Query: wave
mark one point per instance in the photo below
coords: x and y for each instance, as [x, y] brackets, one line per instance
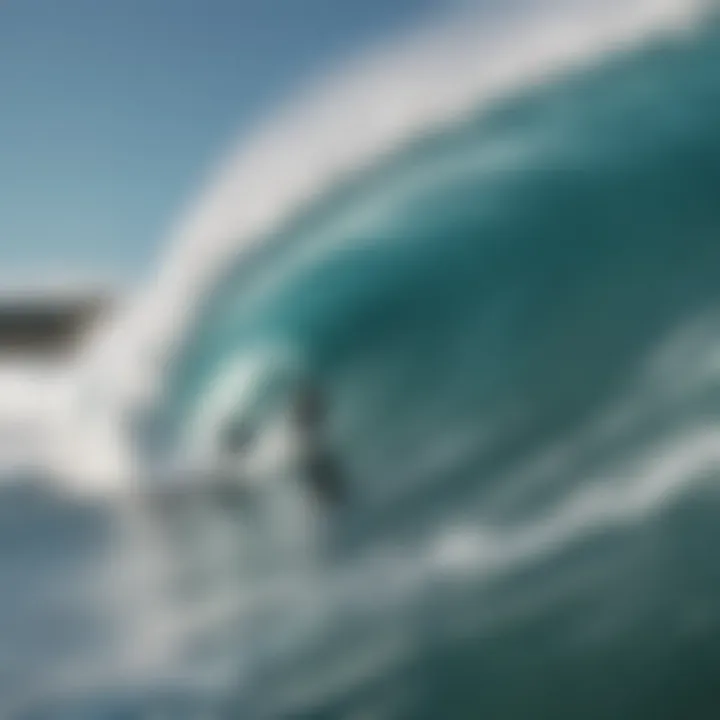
[371, 239]
[510, 303]
[414, 86]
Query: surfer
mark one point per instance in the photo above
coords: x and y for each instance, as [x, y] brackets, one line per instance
[312, 461]
[319, 467]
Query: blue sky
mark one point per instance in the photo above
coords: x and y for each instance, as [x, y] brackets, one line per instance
[112, 111]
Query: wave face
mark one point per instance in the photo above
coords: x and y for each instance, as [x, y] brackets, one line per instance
[515, 273]
[514, 320]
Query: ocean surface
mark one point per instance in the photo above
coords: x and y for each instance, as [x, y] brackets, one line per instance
[514, 320]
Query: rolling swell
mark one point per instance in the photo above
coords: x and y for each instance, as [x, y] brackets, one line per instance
[515, 320]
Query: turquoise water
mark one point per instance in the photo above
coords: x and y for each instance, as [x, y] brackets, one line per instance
[514, 320]
[515, 275]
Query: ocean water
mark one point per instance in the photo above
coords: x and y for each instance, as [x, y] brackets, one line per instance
[514, 320]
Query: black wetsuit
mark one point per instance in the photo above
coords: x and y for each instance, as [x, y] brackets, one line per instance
[322, 470]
